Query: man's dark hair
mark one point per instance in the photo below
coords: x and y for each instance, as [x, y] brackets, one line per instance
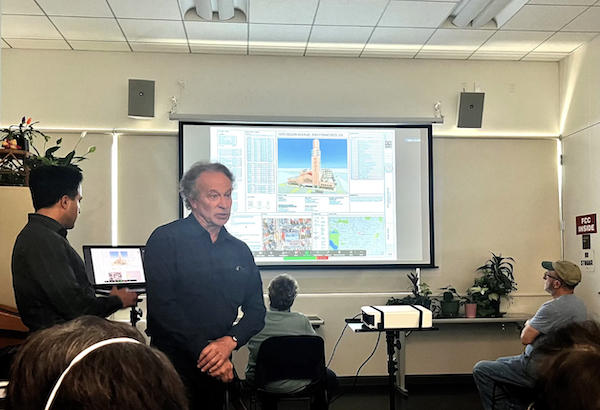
[569, 360]
[187, 185]
[282, 291]
[127, 376]
[49, 183]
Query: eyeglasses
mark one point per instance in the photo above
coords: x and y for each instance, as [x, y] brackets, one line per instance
[553, 277]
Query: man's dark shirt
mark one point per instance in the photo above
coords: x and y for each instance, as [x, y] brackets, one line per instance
[49, 277]
[195, 288]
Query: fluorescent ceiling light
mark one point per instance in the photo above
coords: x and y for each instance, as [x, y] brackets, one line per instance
[478, 13]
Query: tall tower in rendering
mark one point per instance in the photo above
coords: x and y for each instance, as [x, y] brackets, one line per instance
[316, 164]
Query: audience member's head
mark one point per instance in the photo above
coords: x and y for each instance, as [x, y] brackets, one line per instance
[570, 368]
[126, 375]
[282, 292]
[561, 274]
[49, 183]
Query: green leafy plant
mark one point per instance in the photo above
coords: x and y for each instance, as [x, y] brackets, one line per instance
[420, 295]
[451, 294]
[23, 134]
[497, 281]
[482, 297]
[49, 157]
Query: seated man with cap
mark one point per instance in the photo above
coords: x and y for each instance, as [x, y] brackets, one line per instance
[560, 280]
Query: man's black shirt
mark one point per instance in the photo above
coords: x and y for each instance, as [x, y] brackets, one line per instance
[49, 277]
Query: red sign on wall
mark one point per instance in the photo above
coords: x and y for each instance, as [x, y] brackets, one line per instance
[586, 224]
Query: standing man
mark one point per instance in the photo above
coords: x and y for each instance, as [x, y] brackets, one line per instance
[560, 279]
[198, 276]
[49, 277]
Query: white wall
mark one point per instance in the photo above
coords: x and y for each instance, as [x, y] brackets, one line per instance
[496, 194]
[580, 91]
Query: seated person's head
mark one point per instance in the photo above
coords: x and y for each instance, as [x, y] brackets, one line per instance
[57, 188]
[122, 375]
[570, 368]
[282, 292]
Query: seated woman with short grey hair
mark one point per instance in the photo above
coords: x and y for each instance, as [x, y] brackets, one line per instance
[280, 321]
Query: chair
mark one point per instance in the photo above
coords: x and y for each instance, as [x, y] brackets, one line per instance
[520, 397]
[292, 358]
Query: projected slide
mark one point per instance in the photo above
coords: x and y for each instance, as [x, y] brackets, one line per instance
[311, 194]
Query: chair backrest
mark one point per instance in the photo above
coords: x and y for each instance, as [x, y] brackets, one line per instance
[291, 358]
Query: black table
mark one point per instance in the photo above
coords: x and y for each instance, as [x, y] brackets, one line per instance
[393, 341]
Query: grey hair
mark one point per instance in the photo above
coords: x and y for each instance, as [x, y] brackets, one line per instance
[282, 291]
[187, 184]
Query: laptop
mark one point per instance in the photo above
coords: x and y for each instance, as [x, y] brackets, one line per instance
[121, 266]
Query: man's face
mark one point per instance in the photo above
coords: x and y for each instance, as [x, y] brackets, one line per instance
[551, 282]
[212, 207]
[73, 209]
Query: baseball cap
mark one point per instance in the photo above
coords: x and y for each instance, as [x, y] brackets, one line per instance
[567, 271]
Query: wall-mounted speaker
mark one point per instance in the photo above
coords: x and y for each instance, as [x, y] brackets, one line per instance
[141, 99]
[470, 110]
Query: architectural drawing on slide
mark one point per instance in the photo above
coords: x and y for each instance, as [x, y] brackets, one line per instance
[315, 177]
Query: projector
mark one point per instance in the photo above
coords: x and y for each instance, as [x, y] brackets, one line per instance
[396, 317]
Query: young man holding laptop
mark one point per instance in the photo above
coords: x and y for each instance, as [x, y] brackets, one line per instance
[49, 277]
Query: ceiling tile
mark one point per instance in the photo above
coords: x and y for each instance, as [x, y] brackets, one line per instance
[99, 45]
[564, 42]
[264, 37]
[221, 38]
[146, 9]
[444, 54]
[510, 56]
[588, 21]
[543, 17]
[159, 47]
[198, 31]
[400, 42]
[153, 31]
[400, 36]
[350, 12]
[88, 28]
[38, 44]
[457, 40]
[14, 26]
[515, 41]
[426, 14]
[338, 40]
[79, 8]
[21, 7]
[282, 11]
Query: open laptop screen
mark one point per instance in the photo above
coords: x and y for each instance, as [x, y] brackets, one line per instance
[109, 266]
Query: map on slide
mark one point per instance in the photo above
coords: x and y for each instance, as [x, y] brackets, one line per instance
[357, 233]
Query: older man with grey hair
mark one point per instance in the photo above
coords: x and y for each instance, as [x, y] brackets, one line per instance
[198, 276]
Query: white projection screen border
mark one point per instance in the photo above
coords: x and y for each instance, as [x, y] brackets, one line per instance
[319, 194]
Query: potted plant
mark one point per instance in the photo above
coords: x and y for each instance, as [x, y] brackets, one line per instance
[420, 295]
[17, 161]
[478, 303]
[450, 304]
[497, 277]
